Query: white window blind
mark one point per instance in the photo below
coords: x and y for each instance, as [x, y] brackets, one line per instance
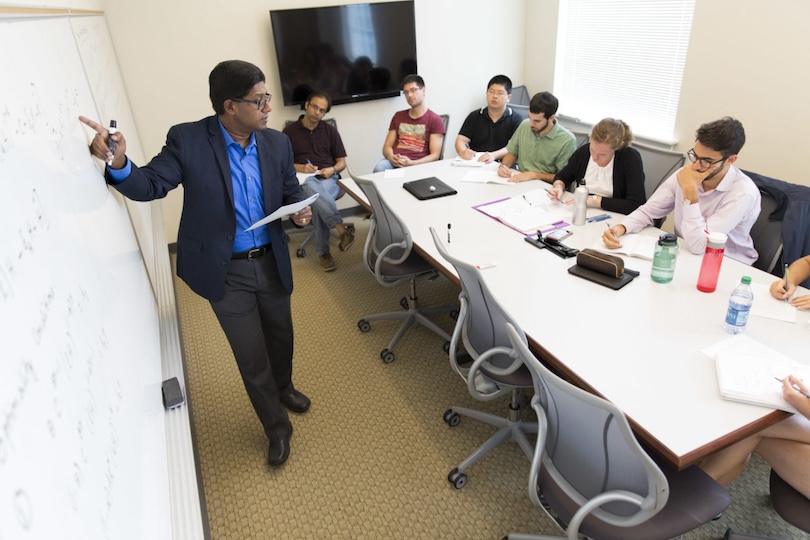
[624, 59]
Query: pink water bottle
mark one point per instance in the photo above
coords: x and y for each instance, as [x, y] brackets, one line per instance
[712, 259]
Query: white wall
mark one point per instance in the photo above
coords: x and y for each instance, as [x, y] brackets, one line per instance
[167, 49]
[747, 59]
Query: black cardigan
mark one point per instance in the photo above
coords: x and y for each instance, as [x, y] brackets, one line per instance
[628, 178]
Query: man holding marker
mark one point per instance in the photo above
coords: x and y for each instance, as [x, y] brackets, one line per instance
[234, 172]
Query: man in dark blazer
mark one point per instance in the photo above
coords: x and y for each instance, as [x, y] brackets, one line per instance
[234, 171]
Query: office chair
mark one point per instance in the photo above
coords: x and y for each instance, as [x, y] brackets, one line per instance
[389, 255]
[520, 96]
[495, 370]
[659, 164]
[446, 120]
[767, 237]
[310, 230]
[791, 505]
[593, 478]
[582, 138]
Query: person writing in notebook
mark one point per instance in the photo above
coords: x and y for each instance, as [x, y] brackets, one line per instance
[608, 167]
[541, 144]
[318, 150]
[707, 194]
[785, 446]
[785, 288]
[234, 171]
[487, 130]
[415, 135]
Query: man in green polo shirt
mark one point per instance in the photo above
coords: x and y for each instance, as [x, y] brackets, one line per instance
[542, 145]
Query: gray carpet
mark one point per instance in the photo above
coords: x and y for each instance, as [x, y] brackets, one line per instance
[371, 457]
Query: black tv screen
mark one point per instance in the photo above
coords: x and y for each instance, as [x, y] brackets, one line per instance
[354, 53]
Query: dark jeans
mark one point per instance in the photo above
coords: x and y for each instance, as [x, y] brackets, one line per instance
[255, 315]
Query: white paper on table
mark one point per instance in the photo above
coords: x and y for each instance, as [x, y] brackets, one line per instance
[484, 177]
[633, 245]
[302, 177]
[766, 305]
[394, 173]
[461, 162]
[283, 211]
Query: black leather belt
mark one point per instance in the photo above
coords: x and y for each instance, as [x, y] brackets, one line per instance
[254, 253]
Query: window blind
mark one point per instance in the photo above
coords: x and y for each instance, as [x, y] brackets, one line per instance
[623, 59]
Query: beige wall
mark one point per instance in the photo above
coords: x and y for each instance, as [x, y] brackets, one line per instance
[167, 49]
[746, 59]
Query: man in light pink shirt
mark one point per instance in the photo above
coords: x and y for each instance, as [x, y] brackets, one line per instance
[709, 194]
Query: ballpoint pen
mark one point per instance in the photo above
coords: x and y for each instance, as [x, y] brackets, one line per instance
[799, 390]
[787, 277]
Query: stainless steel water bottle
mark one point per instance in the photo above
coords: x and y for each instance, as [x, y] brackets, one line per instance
[580, 205]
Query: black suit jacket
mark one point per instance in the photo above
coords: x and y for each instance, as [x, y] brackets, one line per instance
[195, 155]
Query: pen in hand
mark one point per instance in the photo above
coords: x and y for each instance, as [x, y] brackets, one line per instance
[799, 390]
[787, 277]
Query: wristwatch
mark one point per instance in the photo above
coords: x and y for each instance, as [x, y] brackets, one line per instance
[687, 202]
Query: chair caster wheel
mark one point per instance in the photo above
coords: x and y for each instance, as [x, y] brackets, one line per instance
[446, 347]
[454, 314]
[458, 479]
[451, 418]
[387, 356]
[300, 253]
[404, 302]
[350, 228]
[363, 325]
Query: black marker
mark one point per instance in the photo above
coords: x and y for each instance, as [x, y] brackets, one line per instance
[448, 233]
[110, 141]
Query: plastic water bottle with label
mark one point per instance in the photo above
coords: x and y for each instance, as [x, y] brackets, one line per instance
[739, 307]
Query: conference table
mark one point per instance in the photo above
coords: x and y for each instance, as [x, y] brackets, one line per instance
[639, 347]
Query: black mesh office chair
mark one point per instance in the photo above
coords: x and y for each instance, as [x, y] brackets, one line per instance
[659, 164]
[389, 255]
[767, 236]
[495, 370]
[791, 506]
[593, 478]
[446, 120]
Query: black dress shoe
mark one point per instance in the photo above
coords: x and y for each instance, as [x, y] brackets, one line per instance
[295, 401]
[279, 449]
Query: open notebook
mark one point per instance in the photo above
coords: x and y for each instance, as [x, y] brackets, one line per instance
[528, 212]
[633, 245]
[747, 371]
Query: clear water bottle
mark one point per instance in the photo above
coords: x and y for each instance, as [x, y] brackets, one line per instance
[739, 306]
[666, 252]
[580, 205]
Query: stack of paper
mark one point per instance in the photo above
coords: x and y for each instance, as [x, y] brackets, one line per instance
[747, 371]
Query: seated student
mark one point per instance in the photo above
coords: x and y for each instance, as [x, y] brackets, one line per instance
[488, 129]
[318, 149]
[710, 194]
[785, 446]
[797, 273]
[541, 144]
[608, 167]
[414, 136]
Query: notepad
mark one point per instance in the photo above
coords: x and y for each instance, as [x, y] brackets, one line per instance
[484, 177]
[633, 245]
[461, 162]
[525, 213]
[746, 372]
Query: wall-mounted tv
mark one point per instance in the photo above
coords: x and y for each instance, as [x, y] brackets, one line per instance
[354, 53]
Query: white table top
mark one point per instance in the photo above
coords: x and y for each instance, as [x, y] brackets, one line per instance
[639, 347]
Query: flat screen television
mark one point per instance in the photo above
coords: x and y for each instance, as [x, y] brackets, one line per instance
[354, 53]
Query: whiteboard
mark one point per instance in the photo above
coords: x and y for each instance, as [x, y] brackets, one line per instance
[82, 435]
[107, 86]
